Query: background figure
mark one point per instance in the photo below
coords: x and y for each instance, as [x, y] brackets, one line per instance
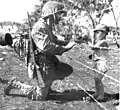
[46, 46]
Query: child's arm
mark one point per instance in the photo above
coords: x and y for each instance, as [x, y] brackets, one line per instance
[102, 43]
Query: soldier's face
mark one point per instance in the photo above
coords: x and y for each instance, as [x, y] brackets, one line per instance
[58, 17]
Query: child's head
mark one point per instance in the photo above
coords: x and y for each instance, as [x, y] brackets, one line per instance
[100, 32]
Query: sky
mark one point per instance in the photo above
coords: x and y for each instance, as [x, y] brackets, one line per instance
[16, 10]
[108, 19]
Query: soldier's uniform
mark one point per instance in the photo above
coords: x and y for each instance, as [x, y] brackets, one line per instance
[45, 42]
[99, 57]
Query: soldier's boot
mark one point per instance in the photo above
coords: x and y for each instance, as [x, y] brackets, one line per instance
[31, 92]
[10, 85]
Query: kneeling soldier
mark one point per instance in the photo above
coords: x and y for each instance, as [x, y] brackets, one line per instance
[48, 46]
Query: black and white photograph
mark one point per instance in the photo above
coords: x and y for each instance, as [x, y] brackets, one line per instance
[59, 54]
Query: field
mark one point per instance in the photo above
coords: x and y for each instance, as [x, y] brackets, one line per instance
[67, 90]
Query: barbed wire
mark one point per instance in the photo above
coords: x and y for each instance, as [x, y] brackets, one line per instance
[99, 72]
[105, 48]
[90, 76]
[98, 103]
[94, 70]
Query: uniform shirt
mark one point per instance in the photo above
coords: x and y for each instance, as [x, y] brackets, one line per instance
[44, 37]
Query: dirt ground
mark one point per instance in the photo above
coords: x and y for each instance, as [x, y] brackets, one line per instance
[67, 92]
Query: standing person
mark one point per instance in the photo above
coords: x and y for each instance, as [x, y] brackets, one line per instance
[99, 57]
[47, 45]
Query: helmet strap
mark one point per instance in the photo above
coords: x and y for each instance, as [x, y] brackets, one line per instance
[54, 21]
[54, 17]
[50, 21]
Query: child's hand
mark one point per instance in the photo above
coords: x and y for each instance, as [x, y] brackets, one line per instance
[98, 45]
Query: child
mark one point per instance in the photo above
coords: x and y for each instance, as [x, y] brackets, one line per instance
[99, 57]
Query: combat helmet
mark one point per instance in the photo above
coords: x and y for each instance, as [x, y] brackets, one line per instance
[52, 7]
[102, 27]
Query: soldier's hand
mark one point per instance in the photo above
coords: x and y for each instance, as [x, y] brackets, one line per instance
[70, 44]
[95, 47]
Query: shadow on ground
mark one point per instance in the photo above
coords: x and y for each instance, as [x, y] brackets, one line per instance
[62, 71]
[74, 95]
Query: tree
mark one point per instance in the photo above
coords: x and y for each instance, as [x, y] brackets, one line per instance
[94, 9]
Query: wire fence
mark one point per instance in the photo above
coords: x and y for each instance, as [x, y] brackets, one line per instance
[94, 70]
[85, 82]
[105, 48]
[98, 103]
